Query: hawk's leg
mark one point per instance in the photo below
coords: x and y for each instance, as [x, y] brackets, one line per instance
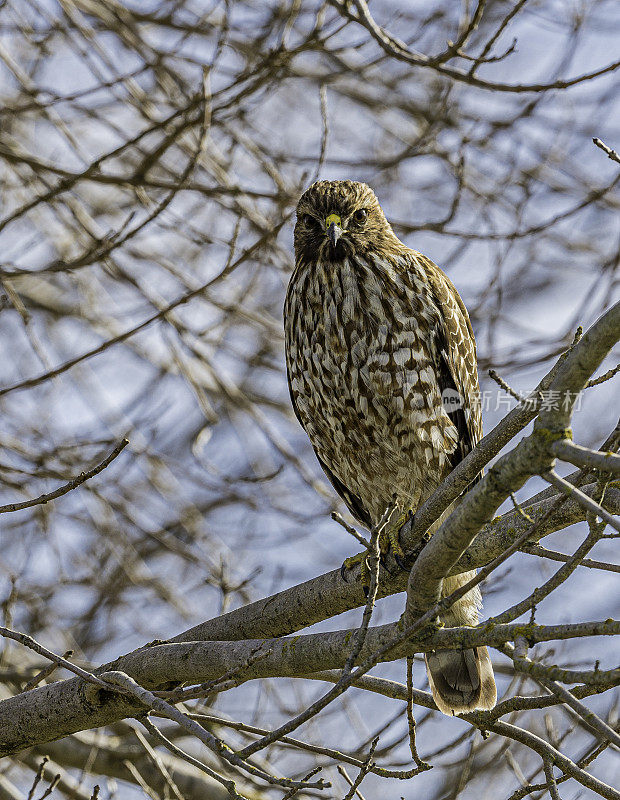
[392, 534]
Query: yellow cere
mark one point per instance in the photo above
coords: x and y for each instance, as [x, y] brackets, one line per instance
[333, 218]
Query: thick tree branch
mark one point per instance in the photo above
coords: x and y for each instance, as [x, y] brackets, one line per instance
[75, 705]
[72, 705]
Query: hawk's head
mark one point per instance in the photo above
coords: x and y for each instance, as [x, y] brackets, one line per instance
[336, 219]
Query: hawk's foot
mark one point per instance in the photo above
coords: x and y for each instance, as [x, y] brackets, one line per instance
[388, 543]
[360, 559]
[389, 540]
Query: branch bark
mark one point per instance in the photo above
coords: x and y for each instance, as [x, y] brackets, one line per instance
[50, 712]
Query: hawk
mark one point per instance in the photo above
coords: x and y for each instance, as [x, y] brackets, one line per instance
[376, 335]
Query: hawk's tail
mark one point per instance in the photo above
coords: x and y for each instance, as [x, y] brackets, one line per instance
[461, 680]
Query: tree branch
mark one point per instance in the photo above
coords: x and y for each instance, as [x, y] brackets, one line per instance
[65, 707]
[67, 487]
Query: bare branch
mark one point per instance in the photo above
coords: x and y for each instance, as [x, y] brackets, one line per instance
[147, 698]
[553, 555]
[540, 674]
[68, 487]
[398, 50]
[610, 153]
[584, 457]
[582, 498]
[71, 706]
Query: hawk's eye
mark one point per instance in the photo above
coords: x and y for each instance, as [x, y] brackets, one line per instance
[360, 216]
[308, 220]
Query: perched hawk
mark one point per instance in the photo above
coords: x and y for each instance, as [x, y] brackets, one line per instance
[376, 334]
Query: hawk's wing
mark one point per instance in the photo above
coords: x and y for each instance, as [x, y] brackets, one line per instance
[455, 348]
[352, 501]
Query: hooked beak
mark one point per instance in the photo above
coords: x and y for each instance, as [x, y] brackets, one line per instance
[334, 232]
[333, 226]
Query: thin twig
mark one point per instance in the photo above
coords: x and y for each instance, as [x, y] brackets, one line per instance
[52, 785]
[420, 764]
[544, 749]
[595, 533]
[372, 559]
[324, 131]
[610, 153]
[518, 508]
[346, 678]
[117, 678]
[31, 643]
[160, 314]
[68, 487]
[592, 720]
[177, 751]
[368, 763]
[508, 389]
[292, 792]
[581, 498]
[396, 49]
[337, 517]
[37, 777]
[288, 741]
[44, 673]
[553, 555]
[550, 779]
[350, 781]
[603, 378]
[159, 764]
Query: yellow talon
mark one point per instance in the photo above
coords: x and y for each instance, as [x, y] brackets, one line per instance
[352, 562]
[388, 540]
